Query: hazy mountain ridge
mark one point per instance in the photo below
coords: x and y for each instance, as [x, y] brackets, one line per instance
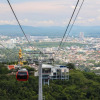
[14, 30]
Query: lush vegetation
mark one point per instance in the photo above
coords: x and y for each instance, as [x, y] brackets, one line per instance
[80, 86]
[3, 69]
[9, 55]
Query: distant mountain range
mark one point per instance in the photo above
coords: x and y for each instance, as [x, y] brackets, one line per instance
[52, 31]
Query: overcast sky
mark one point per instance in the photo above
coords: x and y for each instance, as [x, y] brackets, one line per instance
[49, 12]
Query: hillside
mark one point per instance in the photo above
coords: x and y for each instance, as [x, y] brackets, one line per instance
[81, 86]
[53, 31]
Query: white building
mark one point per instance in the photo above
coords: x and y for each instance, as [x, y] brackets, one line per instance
[53, 72]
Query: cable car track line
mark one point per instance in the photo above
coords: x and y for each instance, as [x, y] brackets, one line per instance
[18, 21]
[20, 25]
[68, 26]
[74, 20]
[6, 48]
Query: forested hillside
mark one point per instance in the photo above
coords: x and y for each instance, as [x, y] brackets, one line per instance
[80, 86]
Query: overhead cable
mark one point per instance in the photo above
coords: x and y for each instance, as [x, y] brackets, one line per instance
[18, 21]
[6, 48]
[67, 27]
[74, 20]
[20, 25]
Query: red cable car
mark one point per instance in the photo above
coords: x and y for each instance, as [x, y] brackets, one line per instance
[22, 75]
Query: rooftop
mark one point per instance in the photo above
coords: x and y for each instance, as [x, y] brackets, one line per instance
[46, 66]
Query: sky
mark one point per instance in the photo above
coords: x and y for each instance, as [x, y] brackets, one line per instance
[49, 12]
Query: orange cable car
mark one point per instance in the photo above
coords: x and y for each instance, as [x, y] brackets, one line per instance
[22, 75]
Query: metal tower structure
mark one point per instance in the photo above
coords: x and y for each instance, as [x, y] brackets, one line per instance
[40, 61]
[40, 97]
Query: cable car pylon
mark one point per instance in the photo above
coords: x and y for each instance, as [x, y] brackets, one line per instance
[40, 61]
[40, 97]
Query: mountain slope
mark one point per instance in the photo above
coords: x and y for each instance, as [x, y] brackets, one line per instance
[14, 30]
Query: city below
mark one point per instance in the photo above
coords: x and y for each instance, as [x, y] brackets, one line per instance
[83, 51]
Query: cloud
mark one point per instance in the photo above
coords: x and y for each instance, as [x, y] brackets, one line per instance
[4, 8]
[73, 7]
[14, 22]
[79, 18]
[11, 22]
[51, 6]
[49, 12]
[44, 23]
[39, 7]
[91, 20]
[28, 22]
[98, 18]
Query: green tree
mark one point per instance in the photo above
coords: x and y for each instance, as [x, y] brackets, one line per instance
[71, 66]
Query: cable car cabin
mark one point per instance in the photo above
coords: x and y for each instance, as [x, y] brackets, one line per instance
[22, 75]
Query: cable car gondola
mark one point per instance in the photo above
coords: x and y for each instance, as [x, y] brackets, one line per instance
[22, 75]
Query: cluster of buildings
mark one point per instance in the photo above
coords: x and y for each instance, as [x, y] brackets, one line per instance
[84, 51]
